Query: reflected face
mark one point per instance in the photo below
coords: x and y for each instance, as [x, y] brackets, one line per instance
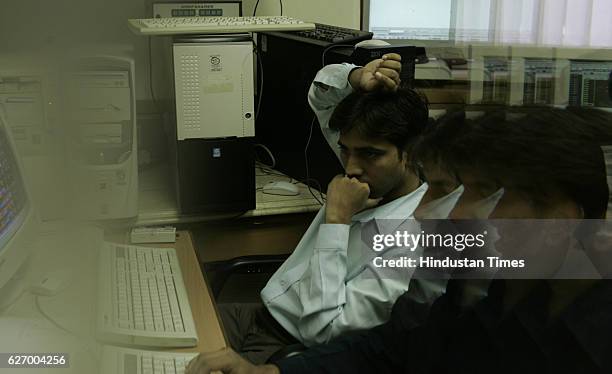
[517, 205]
[473, 203]
[440, 182]
[513, 205]
[376, 162]
[541, 235]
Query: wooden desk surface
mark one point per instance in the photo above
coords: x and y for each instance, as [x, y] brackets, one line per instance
[204, 310]
[157, 202]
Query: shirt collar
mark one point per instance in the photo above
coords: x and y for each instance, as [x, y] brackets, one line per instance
[393, 212]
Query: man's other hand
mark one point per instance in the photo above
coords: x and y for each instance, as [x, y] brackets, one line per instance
[381, 74]
[228, 362]
[346, 197]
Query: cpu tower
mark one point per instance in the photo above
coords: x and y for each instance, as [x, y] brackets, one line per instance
[286, 124]
[101, 118]
[213, 145]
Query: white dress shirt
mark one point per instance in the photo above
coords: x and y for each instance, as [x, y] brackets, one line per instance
[330, 285]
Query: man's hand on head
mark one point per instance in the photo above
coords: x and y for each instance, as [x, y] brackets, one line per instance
[378, 75]
[346, 197]
[228, 362]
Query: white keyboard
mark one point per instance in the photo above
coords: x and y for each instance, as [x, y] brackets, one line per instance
[215, 25]
[142, 298]
[133, 361]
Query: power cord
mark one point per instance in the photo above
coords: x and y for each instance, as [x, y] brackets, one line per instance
[255, 9]
[257, 4]
[82, 339]
[269, 154]
[332, 47]
[155, 102]
[261, 80]
[308, 179]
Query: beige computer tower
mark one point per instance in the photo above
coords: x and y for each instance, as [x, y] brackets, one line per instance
[102, 138]
[214, 86]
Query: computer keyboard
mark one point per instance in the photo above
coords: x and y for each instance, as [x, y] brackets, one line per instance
[326, 35]
[117, 360]
[215, 25]
[142, 298]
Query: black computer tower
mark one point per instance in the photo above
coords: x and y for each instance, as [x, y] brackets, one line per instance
[284, 123]
[215, 175]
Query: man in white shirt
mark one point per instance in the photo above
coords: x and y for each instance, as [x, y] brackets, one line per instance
[329, 285]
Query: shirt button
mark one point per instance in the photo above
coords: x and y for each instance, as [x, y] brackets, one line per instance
[283, 283]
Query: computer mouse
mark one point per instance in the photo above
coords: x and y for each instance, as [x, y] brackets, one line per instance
[281, 188]
[371, 42]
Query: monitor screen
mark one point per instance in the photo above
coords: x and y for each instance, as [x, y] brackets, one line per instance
[589, 84]
[539, 86]
[412, 19]
[13, 201]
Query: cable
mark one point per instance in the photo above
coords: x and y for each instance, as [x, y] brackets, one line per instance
[308, 179]
[151, 76]
[255, 9]
[82, 339]
[269, 154]
[261, 80]
[48, 318]
[332, 47]
[257, 3]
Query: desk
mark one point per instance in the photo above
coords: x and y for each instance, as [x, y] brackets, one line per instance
[157, 203]
[75, 306]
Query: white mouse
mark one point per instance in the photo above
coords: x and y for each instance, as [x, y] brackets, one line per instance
[281, 188]
[371, 42]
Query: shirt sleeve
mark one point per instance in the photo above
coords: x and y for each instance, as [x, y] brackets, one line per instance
[328, 89]
[393, 347]
[331, 300]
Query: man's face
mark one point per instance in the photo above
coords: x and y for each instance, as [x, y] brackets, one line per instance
[540, 235]
[474, 202]
[376, 162]
[439, 180]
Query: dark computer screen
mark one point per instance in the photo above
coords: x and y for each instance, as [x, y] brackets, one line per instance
[589, 84]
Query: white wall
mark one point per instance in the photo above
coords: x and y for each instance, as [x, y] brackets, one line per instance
[344, 13]
[55, 26]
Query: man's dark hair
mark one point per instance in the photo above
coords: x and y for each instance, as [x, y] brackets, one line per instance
[436, 145]
[541, 153]
[397, 117]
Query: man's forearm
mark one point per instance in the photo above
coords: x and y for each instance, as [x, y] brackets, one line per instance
[354, 77]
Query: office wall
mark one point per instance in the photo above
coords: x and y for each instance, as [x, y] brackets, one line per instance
[344, 13]
[58, 26]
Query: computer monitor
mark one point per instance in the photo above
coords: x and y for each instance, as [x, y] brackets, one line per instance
[490, 74]
[18, 222]
[414, 19]
[584, 77]
[536, 76]
[589, 84]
